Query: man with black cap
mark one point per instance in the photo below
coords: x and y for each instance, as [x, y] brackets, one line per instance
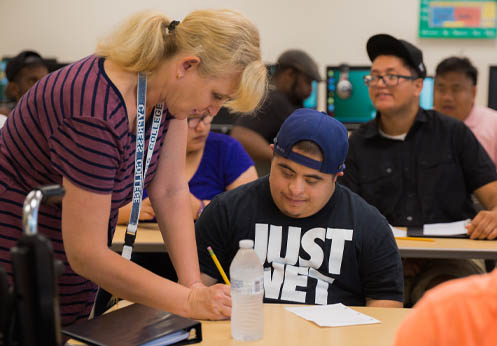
[319, 242]
[418, 166]
[23, 71]
[292, 82]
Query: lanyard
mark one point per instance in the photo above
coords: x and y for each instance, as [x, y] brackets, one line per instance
[140, 173]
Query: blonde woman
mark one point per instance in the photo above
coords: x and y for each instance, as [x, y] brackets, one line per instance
[81, 127]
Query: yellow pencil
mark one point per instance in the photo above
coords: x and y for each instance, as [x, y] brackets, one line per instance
[218, 265]
[414, 238]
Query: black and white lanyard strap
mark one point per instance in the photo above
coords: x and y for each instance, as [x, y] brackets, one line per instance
[141, 173]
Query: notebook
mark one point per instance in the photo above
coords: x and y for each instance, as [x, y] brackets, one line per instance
[136, 325]
[440, 230]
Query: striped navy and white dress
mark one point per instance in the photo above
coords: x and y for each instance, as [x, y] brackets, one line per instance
[72, 123]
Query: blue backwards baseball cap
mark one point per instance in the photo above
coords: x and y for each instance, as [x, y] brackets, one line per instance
[327, 132]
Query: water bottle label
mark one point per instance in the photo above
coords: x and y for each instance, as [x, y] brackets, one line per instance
[248, 287]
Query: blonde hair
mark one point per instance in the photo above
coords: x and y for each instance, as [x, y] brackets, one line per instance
[225, 41]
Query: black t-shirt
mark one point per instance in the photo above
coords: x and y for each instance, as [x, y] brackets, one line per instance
[426, 178]
[268, 119]
[344, 253]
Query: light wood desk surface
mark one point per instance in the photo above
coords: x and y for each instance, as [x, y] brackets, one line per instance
[281, 327]
[149, 239]
[448, 248]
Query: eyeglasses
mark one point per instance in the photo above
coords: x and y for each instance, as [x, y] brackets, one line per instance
[193, 122]
[390, 80]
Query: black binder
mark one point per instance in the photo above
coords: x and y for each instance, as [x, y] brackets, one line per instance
[418, 232]
[136, 325]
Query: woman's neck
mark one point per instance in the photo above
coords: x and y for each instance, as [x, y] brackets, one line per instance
[127, 83]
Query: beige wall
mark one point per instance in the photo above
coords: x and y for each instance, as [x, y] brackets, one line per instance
[333, 31]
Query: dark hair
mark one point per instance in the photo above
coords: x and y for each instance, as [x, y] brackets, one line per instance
[411, 69]
[309, 147]
[456, 64]
[306, 146]
[278, 70]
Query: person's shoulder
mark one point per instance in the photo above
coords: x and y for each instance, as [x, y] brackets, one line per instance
[247, 191]
[435, 117]
[277, 101]
[366, 130]
[218, 138]
[468, 290]
[488, 113]
[221, 139]
[224, 145]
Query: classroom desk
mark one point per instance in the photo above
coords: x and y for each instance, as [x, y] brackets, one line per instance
[449, 248]
[282, 327]
[149, 239]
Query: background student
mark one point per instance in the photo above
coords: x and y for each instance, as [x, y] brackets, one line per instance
[292, 84]
[214, 163]
[460, 312]
[454, 95]
[419, 166]
[22, 72]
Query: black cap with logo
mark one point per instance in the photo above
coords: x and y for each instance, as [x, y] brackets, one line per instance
[383, 44]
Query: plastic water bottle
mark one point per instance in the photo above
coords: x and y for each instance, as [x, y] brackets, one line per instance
[247, 290]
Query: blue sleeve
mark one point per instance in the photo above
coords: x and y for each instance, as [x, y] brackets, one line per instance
[235, 161]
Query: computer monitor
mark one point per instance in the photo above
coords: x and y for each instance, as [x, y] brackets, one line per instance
[426, 96]
[358, 108]
[312, 100]
[492, 87]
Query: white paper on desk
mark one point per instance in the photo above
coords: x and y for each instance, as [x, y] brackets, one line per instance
[449, 228]
[398, 232]
[334, 315]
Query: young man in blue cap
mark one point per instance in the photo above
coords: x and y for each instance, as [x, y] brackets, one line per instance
[319, 242]
[419, 166]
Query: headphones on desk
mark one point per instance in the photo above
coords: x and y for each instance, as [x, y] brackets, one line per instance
[344, 86]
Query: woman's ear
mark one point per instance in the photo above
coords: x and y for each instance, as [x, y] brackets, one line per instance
[187, 64]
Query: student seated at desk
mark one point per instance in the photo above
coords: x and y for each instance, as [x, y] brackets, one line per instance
[214, 163]
[319, 242]
[461, 312]
[419, 166]
[454, 95]
[22, 72]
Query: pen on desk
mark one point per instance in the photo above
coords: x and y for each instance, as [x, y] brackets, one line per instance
[218, 265]
[417, 239]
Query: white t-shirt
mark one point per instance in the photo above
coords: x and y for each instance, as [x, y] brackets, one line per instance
[3, 118]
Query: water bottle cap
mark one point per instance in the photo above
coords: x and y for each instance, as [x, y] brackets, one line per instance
[246, 244]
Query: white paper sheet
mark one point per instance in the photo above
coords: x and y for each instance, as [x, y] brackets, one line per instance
[398, 232]
[334, 315]
[449, 228]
